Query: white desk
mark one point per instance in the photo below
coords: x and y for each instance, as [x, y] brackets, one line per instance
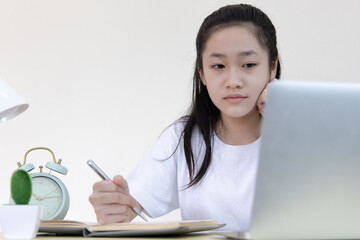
[196, 236]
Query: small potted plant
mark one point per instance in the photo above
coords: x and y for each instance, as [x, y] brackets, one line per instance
[20, 220]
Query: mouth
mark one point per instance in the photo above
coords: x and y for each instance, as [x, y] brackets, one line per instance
[235, 98]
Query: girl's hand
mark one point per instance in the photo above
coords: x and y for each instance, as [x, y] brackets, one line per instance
[112, 202]
[262, 99]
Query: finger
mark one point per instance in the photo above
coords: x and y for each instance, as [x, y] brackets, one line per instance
[261, 102]
[113, 209]
[104, 198]
[114, 213]
[121, 182]
[273, 79]
[261, 109]
[262, 97]
[113, 219]
[106, 186]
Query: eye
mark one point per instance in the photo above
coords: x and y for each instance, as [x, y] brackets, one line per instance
[249, 65]
[218, 66]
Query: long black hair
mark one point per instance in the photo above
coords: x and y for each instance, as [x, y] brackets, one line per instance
[203, 113]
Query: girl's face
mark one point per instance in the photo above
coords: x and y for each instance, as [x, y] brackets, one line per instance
[235, 71]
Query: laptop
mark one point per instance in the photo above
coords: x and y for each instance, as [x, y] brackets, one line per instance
[308, 180]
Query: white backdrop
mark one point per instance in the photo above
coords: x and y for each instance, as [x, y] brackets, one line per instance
[104, 78]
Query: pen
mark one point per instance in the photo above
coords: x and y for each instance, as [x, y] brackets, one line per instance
[105, 177]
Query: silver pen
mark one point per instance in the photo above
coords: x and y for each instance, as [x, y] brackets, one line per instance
[105, 177]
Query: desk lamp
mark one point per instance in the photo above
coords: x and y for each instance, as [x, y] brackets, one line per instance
[11, 103]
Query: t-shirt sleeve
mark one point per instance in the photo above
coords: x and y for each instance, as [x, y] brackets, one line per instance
[153, 183]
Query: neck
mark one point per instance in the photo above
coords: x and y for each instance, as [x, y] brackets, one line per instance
[239, 131]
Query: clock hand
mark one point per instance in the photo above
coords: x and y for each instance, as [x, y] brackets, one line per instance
[37, 197]
[42, 197]
[50, 197]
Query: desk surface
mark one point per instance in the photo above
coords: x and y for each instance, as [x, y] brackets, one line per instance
[196, 236]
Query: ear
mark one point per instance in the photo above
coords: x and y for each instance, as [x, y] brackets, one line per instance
[201, 74]
[273, 70]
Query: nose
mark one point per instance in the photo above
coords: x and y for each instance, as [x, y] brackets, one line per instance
[235, 78]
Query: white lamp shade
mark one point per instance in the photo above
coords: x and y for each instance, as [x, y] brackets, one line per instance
[11, 103]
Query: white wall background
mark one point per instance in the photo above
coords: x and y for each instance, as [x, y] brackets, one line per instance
[105, 77]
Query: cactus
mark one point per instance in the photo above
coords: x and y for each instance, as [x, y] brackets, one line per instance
[21, 187]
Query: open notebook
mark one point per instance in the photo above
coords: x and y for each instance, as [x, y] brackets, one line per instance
[67, 227]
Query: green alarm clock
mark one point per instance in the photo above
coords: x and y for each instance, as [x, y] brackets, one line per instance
[48, 190]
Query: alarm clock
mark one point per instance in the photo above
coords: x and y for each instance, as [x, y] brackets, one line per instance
[48, 190]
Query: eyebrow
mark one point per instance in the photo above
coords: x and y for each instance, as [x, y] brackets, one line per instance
[240, 54]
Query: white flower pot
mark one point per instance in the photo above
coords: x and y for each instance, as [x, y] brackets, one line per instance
[20, 221]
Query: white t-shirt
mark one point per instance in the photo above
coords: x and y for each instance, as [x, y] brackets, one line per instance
[159, 182]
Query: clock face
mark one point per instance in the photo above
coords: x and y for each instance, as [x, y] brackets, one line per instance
[46, 192]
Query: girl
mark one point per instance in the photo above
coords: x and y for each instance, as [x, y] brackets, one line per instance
[205, 163]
